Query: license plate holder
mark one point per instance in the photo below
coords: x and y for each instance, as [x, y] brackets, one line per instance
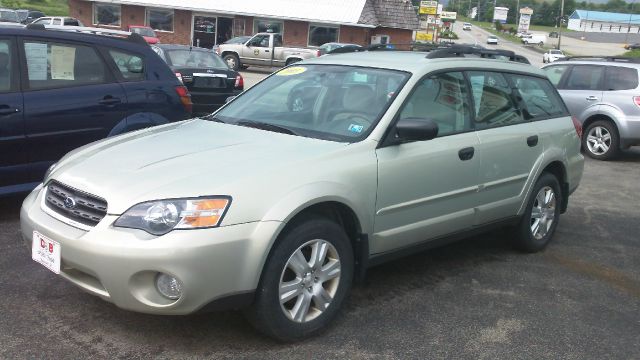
[46, 252]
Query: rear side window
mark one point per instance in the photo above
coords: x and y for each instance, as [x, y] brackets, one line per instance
[130, 66]
[554, 73]
[494, 105]
[57, 22]
[585, 77]
[621, 78]
[53, 65]
[539, 99]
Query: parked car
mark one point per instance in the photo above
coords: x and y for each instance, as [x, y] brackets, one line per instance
[9, 15]
[604, 95]
[329, 48]
[632, 46]
[27, 16]
[552, 55]
[76, 88]
[466, 26]
[534, 39]
[279, 209]
[146, 32]
[492, 39]
[58, 20]
[554, 34]
[263, 49]
[204, 73]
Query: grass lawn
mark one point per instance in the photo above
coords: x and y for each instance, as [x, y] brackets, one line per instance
[49, 7]
[633, 53]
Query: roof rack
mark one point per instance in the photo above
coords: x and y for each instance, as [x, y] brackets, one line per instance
[463, 50]
[603, 58]
[137, 38]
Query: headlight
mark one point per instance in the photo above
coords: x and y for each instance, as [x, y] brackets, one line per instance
[49, 171]
[160, 217]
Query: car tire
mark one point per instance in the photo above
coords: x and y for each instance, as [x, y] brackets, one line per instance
[541, 216]
[286, 270]
[601, 140]
[232, 61]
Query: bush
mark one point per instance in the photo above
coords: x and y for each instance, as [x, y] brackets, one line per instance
[498, 25]
[448, 35]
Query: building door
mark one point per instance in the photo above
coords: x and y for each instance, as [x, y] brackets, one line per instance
[225, 30]
[204, 31]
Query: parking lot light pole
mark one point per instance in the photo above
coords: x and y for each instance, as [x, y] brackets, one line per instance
[561, 20]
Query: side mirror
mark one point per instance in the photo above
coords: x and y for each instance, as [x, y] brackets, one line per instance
[416, 129]
[229, 99]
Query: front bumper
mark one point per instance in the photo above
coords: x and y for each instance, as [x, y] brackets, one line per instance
[120, 265]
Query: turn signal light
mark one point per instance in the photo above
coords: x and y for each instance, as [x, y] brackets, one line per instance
[185, 98]
[205, 213]
[239, 82]
[179, 76]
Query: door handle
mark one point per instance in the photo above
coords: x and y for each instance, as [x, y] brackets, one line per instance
[532, 140]
[466, 153]
[4, 111]
[266, 51]
[592, 98]
[109, 100]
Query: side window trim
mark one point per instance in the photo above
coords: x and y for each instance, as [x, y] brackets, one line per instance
[562, 84]
[109, 78]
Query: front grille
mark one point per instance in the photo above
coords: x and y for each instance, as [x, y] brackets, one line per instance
[75, 204]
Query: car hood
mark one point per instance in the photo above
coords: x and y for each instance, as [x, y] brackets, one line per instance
[187, 159]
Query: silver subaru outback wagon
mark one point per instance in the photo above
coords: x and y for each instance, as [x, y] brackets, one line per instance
[279, 200]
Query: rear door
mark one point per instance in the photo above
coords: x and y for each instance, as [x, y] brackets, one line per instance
[510, 145]
[14, 164]
[582, 88]
[70, 99]
[620, 88]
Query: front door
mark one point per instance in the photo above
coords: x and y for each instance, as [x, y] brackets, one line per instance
[14, 165]
[204, 31]
[70, 99]
[256, 50]
[427, 189]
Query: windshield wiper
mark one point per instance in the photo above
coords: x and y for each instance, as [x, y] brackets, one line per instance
[266, 126]
[212, 117]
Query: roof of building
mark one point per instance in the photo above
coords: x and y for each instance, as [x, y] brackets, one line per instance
[365, 13]
[605, 16]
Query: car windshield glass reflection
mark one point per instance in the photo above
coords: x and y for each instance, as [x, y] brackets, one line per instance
[339, 103]
[194, 58]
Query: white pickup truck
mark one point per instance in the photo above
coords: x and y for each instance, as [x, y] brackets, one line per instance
[263, 49]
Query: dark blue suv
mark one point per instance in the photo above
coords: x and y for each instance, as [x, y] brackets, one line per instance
[63, 89]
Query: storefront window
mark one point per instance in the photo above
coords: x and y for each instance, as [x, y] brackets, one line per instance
[270, 26]
[160, 19]
[106, 14]
[319, 35]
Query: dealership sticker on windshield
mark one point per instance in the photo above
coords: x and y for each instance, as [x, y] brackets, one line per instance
[294, 70]
[356, 128]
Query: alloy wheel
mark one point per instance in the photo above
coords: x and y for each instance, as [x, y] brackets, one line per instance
[599, 140]
[309, 281]
[543, 212]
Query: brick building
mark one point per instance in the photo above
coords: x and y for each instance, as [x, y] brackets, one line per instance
[302, 22]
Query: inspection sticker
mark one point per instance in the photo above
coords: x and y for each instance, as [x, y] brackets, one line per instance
[356, 128]
[294, 70]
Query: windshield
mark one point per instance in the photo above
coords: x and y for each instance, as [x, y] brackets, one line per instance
[144, 32]
[11, 16]
[194, 58]
[331, 102]
[238, 40]
[556, 52]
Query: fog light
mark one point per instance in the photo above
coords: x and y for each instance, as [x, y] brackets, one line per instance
[169, 286]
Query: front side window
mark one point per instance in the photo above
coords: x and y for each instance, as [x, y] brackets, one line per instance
[319, 35]
[130, 66]
[106, 14]
[554, 73]
[160, 19]
[57, 22]
[494, 105]
[621, 78]
[43, 21]
[443, 99]
[259, 41]
[539, 99]
[270, 26]
[585, 77]
[52, 65]
[331, 102]
[6, 74]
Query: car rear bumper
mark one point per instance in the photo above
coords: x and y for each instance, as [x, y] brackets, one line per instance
[630, 131]
[120, 265]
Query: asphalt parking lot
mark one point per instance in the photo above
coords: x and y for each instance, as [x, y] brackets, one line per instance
[579, 299]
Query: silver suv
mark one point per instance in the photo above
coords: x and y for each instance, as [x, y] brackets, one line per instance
[284, 196]
[604, 95]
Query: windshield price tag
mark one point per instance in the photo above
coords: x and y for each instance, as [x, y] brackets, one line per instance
[295, 70]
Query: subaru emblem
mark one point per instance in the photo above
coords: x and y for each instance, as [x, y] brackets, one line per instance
[210, 71]
[69, 202]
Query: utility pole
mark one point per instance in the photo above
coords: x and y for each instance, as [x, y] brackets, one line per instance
[561, 20]
[518, 15]
[626, 36]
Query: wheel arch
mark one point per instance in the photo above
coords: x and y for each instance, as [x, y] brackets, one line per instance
[601, 117]
[558, 169]
[137, 121]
